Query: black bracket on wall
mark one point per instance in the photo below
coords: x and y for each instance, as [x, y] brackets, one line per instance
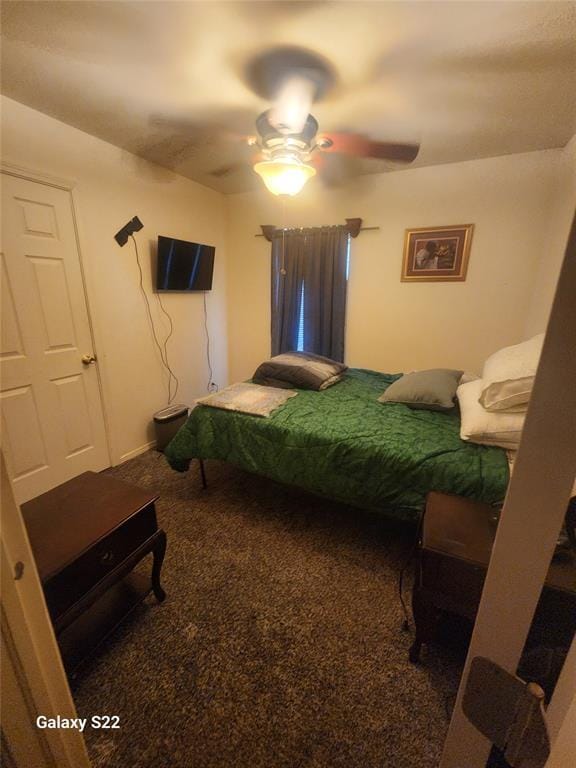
[134, 225]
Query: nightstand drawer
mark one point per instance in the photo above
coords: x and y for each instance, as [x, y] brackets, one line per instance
[65, 588]
[458, 580]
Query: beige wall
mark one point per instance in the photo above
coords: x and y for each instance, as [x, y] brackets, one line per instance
[111, 187]
[394, 326]
[557, 228]
[518, 203]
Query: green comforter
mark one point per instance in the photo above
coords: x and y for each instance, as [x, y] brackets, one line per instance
[342, 443]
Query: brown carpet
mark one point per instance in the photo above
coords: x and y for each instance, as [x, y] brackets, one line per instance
[279, 644]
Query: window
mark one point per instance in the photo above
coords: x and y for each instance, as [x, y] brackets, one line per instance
[348, 258]
[300, 342]
[301, 310]
[310, 270]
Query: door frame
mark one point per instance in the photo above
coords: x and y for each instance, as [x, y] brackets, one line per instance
[69, 186]
[528, 530]
[34, 681]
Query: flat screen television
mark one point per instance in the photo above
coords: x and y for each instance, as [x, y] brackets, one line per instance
[184, 266]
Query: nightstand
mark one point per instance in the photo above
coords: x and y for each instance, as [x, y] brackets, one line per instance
[87, 535]
[454, 551]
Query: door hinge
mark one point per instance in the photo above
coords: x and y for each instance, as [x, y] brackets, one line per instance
[509, 712]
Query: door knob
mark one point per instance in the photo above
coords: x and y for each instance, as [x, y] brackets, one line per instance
[88, 359]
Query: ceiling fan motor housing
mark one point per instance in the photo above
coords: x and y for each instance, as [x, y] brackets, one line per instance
[276, 144]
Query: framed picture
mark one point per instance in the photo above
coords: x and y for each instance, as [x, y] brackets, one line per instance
[436, 253]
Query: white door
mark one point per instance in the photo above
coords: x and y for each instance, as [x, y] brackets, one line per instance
[52, 417]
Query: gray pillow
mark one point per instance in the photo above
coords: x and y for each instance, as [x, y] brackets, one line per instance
[433, 390]
[302, 370]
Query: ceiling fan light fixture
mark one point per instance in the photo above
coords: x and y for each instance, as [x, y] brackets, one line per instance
[284, 176]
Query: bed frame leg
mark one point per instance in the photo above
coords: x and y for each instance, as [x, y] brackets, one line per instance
[203, 474]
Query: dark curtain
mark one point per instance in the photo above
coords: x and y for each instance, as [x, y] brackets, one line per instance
[312, 263]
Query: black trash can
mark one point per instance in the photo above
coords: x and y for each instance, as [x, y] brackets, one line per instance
[167, 422]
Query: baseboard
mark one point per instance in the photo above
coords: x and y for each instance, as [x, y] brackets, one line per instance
[136, 452]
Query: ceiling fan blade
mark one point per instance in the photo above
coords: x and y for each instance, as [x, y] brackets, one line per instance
[226, 170]
[214, 126]
[223, 171]
[334, 169]
[360, 146]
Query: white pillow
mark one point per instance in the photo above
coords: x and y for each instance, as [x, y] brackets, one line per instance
[480, 426]
[509, 376]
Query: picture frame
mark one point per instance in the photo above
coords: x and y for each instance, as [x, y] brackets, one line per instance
[437, 254]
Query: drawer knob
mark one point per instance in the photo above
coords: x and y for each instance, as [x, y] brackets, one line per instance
[106, 557]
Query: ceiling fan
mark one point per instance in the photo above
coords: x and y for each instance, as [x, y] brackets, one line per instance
[287, 134]
[290, 153]
[290, 148]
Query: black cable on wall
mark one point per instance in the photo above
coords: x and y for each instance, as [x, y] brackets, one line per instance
[162, 348]
[209, 384]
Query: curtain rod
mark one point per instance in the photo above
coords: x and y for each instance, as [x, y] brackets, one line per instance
[354, 226]
[362, 229]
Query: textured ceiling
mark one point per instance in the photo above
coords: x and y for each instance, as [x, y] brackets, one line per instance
[166, 80]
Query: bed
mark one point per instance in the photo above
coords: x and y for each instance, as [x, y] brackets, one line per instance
[343, 444]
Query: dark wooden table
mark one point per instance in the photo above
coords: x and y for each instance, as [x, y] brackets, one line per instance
[87, 536]
[455, 548]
